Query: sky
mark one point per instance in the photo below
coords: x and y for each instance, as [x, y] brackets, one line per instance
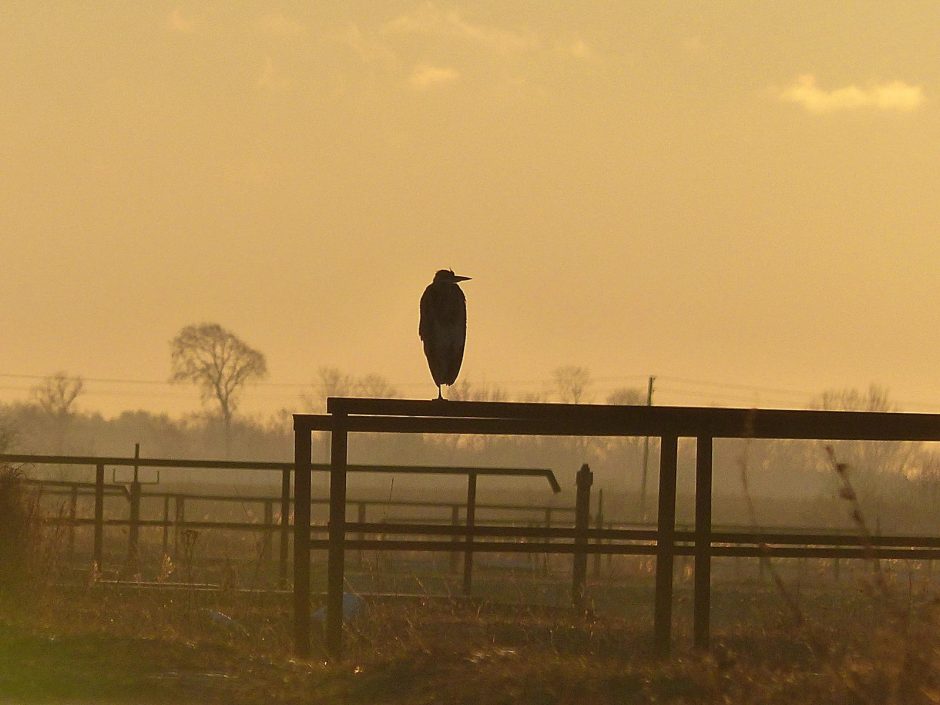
[737, 197]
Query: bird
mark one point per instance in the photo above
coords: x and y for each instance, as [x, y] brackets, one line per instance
[443, 326]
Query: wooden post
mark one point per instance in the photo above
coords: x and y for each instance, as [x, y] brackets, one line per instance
[337, 537]
[285, 523]
[471, 522]
[582, 518]
[703, 530]
[665, 544]
[302, 472]
[99, 514]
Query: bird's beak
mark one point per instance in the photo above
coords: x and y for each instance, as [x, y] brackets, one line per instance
[458, 278]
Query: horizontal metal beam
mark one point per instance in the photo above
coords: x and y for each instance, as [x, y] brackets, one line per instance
[507, 418]
[462, 471]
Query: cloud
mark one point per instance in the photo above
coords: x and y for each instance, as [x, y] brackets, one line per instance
[429, 20]
[276, 24]
[177, 23]
[577, 48]
[894, 95]
[424, 76]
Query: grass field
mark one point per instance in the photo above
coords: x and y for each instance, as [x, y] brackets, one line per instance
[100, 645]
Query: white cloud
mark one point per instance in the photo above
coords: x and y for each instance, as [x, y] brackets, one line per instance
[277, 25]
[178, 23]
[425, 76]
[429, 20]
[894, 95]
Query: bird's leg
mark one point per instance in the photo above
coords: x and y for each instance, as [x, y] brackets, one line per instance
[440, 395]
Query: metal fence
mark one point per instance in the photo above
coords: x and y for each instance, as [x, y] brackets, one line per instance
[134, 491]
[349, 416]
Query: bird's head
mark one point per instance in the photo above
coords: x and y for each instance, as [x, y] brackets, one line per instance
[448, 276]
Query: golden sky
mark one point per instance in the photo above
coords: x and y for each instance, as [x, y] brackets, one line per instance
[741, 193]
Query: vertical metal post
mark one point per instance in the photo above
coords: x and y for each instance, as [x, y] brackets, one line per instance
[302, 472]
[548, 525]
[73, 512]
[665, 544]
[337, 537]
[133, 533]
[455, 521]
[599, 524]
[471, 522]
[582, 518]
[179, 518]
[285, 521]
[361, 518]
[703, 542]
[99, 514]
[267, 548]
[166, 523]
[646, 455]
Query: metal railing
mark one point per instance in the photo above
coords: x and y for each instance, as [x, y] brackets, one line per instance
[134, 493]
[347, 415]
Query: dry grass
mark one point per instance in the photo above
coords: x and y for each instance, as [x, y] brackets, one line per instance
[96, 645]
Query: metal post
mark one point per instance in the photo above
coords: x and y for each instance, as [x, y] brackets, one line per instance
[361, 518]
[665, 544]
[599, 524]
[582, 518]
[471, 521]
[455, 521]
[133, 533]
[646, 455]
[73, 511]
[267, 548]
[285, 524]
[337, 537]
[302, 472]
[166, 523]
[703, 530]
[179, 518]
[548, 525]
[99, 514]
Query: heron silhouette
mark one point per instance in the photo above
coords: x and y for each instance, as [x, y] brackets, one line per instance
[443, 327]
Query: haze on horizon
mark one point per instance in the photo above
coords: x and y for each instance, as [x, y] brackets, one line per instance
[734, 192]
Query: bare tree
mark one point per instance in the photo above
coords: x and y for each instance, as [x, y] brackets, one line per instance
[571, 383]
[877, 465]
[373, 385]
[217, 362]
[57, 393]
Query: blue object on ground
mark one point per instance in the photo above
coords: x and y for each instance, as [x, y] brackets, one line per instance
[352, 607]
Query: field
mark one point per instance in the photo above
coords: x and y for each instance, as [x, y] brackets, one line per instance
[847, 643]
[783, 632]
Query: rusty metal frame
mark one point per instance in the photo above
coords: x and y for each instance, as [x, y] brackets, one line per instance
[347, 415]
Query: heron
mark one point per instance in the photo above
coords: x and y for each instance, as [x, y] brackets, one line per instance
[443, 326]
